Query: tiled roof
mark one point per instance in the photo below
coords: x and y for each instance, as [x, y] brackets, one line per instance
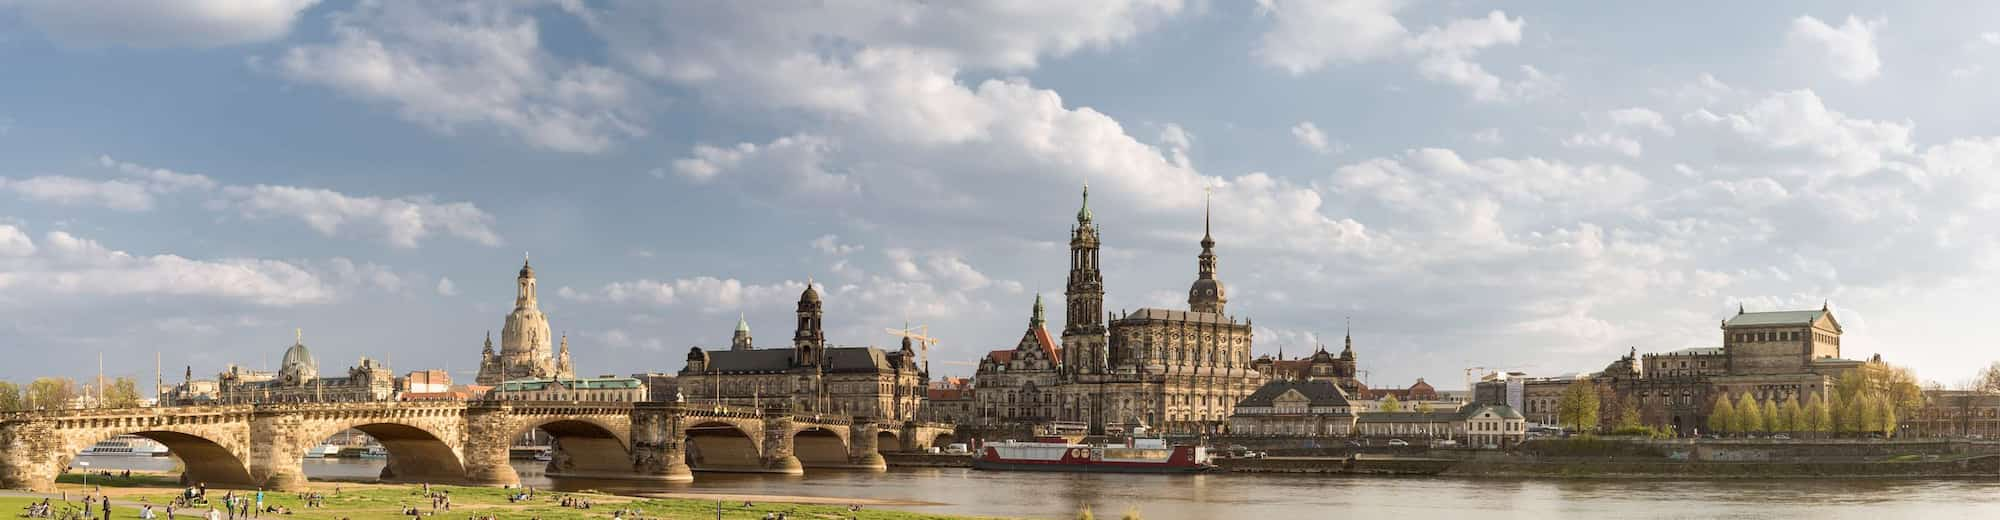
[1048, 344]
[948, 394]
[1001, 356]
[1749, 319]
[1320, 392]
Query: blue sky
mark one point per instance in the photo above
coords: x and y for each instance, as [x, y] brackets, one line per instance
[1523, 185]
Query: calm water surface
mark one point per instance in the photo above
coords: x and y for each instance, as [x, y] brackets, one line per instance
[1187, 497]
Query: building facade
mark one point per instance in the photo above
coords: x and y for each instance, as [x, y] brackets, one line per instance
[810, 376]
[525, 341]
[1294, 408]
[1177, 371]
[597, 389]
[298, 381]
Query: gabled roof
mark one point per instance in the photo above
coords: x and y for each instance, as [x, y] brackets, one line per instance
[1001, 356]
[858, 359]
[1760, 319]
[1321, 392]
[1039, 337]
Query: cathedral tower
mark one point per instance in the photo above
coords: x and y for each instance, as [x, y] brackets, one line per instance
[809, 340]
[1083, 335]
[525, 341]
[1207, 293]
[741, 340]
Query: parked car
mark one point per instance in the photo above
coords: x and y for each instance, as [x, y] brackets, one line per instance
[1356, 444]
[1444, 442]
[1781, 437]
[1398, 442]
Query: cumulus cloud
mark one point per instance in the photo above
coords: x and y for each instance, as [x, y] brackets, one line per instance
[1310, 136]
[830, 244]
[1637, 117]
[73, 191]
[69, 265]
[1308, 35]
[14, 242]
[1798, 133]
[705, 293]
[1848, 50]
[470, 65]
[160, 179]
[402, 221]
[445, 287]
[1621, 144]
[148, 24]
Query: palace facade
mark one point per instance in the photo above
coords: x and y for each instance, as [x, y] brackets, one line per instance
[809, 376]
[1166, 369]
[298, 381]
[524, 341]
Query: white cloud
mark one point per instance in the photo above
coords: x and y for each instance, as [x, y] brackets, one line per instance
[789, 164]
[1849, 50]
[480, 64]
[68, 265]
[1307, 35]
[445, 287]
[1641, 118]
[14, 242]
[1621, 144]
[705, 293]
[160, 180]
[1310, 136]
[147, 24]
[830, 244]
[1796, 130]
[1487, 136]
[402, 221]
[72, 191]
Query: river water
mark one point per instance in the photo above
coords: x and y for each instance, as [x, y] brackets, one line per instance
[1242, 496]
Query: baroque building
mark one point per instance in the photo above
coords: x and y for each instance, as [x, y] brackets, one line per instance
[1173, 370]
[810, 375]
[298, 381]
[1770, 355]
[524, 341]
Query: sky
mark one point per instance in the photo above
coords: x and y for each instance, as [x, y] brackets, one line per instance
[1534, 185]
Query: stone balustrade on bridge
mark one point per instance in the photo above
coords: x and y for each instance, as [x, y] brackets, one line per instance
[248, 446]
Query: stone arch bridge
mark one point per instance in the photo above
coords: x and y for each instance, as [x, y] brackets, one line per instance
[248, 446]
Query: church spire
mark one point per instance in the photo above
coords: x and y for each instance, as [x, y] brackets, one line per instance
[1207, 294]
[1083, 214]
[1035, 321]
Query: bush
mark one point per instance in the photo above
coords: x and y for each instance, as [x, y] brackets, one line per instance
[1642, 431]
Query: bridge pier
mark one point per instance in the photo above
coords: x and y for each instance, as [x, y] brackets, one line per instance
[658, 451]
[778, 456]
[31, 455]
[863, 452]
[488, 436]
[275, 451]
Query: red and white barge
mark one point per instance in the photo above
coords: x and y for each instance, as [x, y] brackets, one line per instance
[1133, 456]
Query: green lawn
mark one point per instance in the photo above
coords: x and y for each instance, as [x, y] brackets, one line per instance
[361, 502]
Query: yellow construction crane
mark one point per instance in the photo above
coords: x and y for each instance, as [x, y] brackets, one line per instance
[921, 334]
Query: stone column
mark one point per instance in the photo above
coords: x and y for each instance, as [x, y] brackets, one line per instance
[659, 449]
[31, 455]
[275, 450]
[862, 451]
[489, 431]
[777, 454]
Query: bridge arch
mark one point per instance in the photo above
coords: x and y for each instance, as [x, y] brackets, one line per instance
[204, 457]
[582, 446]
[719, 445]
[424, 445]
[820, 446]
[887, 441]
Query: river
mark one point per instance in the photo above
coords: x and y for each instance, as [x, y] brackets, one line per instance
[1218, 496]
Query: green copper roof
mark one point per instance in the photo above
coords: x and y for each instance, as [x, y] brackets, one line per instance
[742, 324]
[1083, 214]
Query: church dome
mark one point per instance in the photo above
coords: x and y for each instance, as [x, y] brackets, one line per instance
[1208, 289]
[811, 294]
[527, 271]
[298, 365]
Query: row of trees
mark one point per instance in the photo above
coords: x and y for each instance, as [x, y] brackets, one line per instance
[1867, 399]
[55, 393]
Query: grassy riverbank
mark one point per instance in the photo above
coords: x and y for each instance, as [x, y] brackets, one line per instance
[367, 501]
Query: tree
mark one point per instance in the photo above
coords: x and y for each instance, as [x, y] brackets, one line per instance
[1628, 413]
[1749, 416]
[51, 393]
[1772, 422]
[1853, 413]
[1822, 414]
[10, 397]
[1722, 418]
[1425, 407]
[1871, 412]
[122, 393]
[1989, 379]
[1085, 514]
[1888, 420]
[1392, 404]
[1578, 407]
[1795, 416]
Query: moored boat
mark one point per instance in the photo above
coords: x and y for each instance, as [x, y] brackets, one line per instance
[1134, 456]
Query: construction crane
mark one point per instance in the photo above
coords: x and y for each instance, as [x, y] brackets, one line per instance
[1468, 375]
[921, 334]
